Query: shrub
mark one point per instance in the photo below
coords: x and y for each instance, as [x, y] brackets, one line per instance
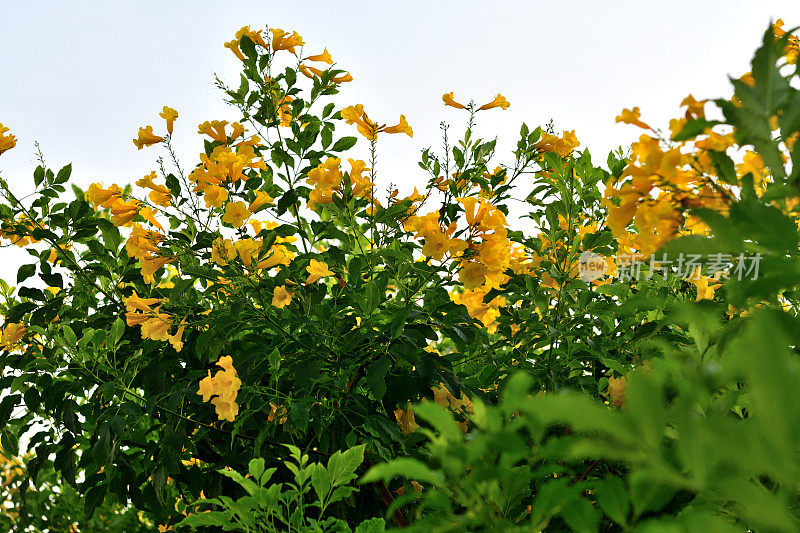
[586, 371]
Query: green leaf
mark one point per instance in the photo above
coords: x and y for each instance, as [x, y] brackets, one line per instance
[208, 518]
[9, 441]
[398, 321]
[298, 414]
[94, 497]
[7, 405]
[580, 515]
[376, 374]
[342, 465]
[286, 201]
[25, 271]
[326, 137]
[340, 493]
[373, 525]
[403, 467]
[248, 47]
[321, 481]
[63, 174]
[613, 499]
[256, 468]
[118, 329]
[345, 143]
[38, 175]
[724, 165]
[32, 399]
[693, 128]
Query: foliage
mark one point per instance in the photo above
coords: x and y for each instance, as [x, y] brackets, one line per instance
[578, 372]
[703, 443]
[57, 506]
[279, 507]
[707, 436]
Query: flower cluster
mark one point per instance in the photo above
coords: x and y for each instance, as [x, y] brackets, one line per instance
[562, 146]
[499, 101]
[122, 211]
[328, 180]
[483, 257]
[705, 290]
[154, 323]
[663, 178]
[142, 244]
[369, 129]
[283, 40]
[249, 250]
[228, 160]
[438, 243]
[557, 249]
[222, 389]
[147, 137]
[441, 396]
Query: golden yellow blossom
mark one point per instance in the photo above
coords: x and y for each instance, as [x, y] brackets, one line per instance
[369, 129]
[324, 57]
[233, 46]
[170, 115]
[705, 291]
[103, 197]
[695, 108]
[157, 327]
[176, 340]
[281, 297]
[447, 98]
[344, 78]
[436, 245]
[7, 141]
[631, 116]
[616, 390]
[472, 275]
[142, 243]
[150, 265]
[215, 196]
[317, 270]
[499, 101]
[281, 40]
[214, 129]
[262, 198]
[123, 212]
[11, 334]
[405, 420]
[278, 412]
[235, 214]
[136, 303]
[221, 389]
[402, 127]
[563, 146]
[222, 251]
[147, 138]
[159, 194]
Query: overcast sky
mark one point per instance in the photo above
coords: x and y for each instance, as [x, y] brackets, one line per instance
[81, 77]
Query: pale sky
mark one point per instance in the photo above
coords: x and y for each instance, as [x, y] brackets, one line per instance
[81, 77]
